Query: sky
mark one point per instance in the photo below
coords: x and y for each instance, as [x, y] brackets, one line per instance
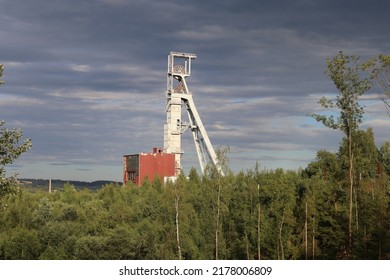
[86, 79]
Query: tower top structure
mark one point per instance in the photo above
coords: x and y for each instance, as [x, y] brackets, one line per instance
[176, 68]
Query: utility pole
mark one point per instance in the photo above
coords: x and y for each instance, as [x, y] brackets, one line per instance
[258, 224]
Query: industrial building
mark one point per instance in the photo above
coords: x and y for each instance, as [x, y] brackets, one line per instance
[137, 167]
[166, 162]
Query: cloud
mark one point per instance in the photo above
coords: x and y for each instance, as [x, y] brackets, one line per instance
[86, 80]
[81, 68]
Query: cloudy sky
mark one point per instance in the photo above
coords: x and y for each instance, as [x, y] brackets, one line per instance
[86, 79]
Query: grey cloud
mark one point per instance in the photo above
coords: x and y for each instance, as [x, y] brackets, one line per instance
[86, 79]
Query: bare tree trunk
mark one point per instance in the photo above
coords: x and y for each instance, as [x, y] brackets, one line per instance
[258, 232]
[313, 247]
[356, 209]
[313, 242]
[380, 241]
[217, 222]
[247, 245]
[350, 193]
[177, 197]
[306, 232]
[280, 238]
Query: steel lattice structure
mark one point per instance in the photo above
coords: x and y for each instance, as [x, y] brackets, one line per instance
[178, 95]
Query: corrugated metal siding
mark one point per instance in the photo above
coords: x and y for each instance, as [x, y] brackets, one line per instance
[157, 164]
[138, 166]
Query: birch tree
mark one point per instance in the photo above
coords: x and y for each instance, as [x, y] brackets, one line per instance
[346, 73]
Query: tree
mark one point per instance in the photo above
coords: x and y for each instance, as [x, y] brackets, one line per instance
[10, 149]
[384, 154]
[90, 247]
[43, 213]
[219, 182]
[20, 244]
[177, 185]
[345, 71]
[326, 166]
[1, 73]
[365, 155]
[380, 73]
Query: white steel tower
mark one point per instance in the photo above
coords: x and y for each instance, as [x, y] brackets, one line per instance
[179, 68]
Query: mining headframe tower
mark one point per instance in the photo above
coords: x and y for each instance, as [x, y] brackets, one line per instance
[166, 162]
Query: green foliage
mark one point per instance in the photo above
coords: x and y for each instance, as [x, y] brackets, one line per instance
[10, 149]
[365, 153]
[43, 212]
[1, 73]
[130, 222]
[19, 244]
[384, 155]
[345, 71]
[326, 166]
[379, 68]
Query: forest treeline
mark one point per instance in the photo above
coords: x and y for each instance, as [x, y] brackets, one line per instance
[257, 213]
[58, 184]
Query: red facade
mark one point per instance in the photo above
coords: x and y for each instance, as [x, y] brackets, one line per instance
[139, 166]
